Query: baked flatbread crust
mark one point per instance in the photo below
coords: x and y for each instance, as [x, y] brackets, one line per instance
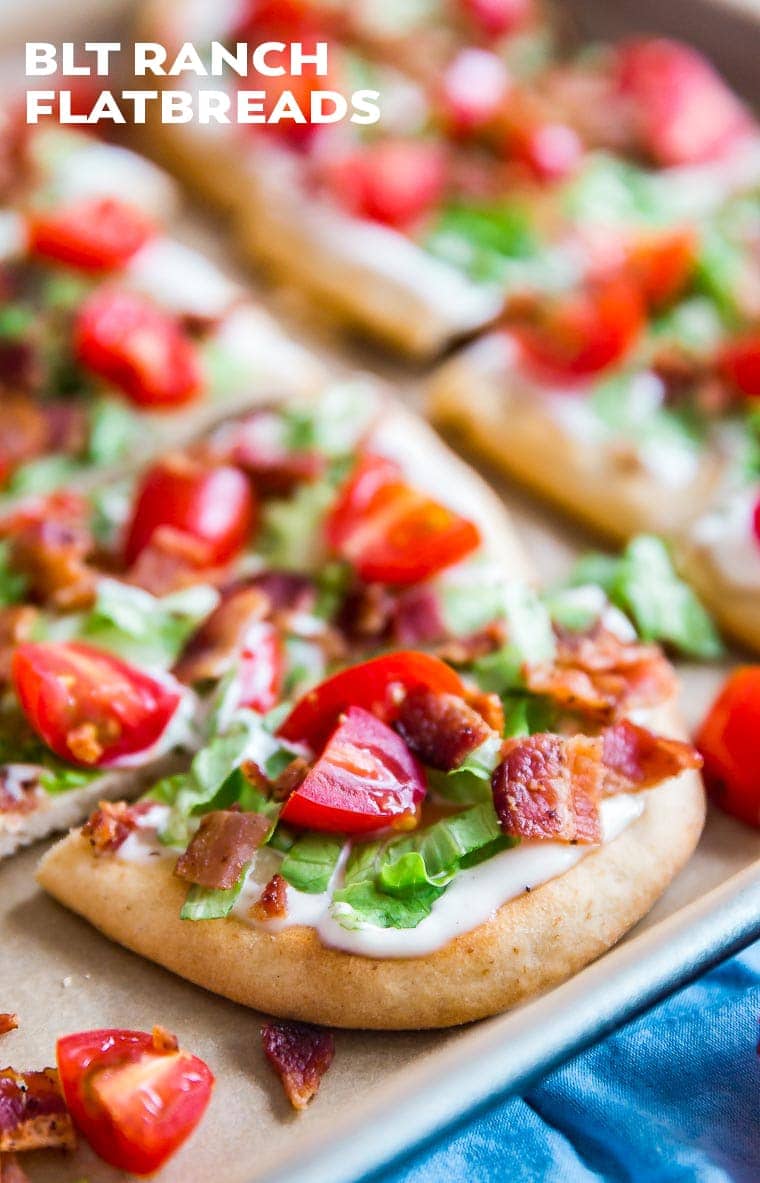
[531, 943]
[737, 609]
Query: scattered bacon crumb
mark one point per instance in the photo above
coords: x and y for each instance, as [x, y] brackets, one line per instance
[164, 1041]
[111, 824]
[272, 904]
[8, 1022]
[635, 757]
[11, 1171]
[171, 561]
[221, 847]
[548, 786]
[210, 649]
[83, 743]
[489, 706]
[300, 1055]
[290, 778]
[462, 651]
[51, 555]
[440, 728]
[33, 1114]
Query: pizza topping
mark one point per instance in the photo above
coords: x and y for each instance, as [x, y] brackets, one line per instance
[222, 636]
[441, 729]
[636, 758]
[547, 787]
[33, 1112]
[366, 778]
[51, 556]
[272, 904]
[300, 1055]
[392, 181]
[729, 741]
[170, 561]
[260, 445]
[97, 234]
[222, 846]
[11, 1171]
[8, 1022]
[739, 365]
[163, 1041]
[134, 1096]
[109, 826]
[88, 706]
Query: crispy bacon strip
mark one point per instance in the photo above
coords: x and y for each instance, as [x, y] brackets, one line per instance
[171, 561]
[286, 590]
[8, 1022]
[111, 824]
[221, 847]
[164, 1041]
[272, 904]
[548, 786]
[440, 728]
[636, 758]
[33, 1114]
[212, 648]
[598, 675]
[23, 425]
[52, 557]
[300, 1055]
[11, 1171]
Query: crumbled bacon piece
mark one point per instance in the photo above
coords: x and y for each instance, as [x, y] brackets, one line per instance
[33, 1114]
[221, 847]
[489, 707]
[211, 649]
[286, 590]
[440, 728]
[599, 675]
[417, 618]
[11, 1171]
[18, 785]
[23, 427]
[257, 444]
[272, 904]
[16, 625]
[52, 557]
[366, 612]
[300, 1055]
[548, 787]
[8, 1022]
[111, 824]
[636, 758]
[164, 1041]
[290, 778]
[171, 561]
[462, 651]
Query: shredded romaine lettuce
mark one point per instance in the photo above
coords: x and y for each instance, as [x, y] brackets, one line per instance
[310, 862]
[292, 534]
[144, 628]
[113, 431]
[12, 584]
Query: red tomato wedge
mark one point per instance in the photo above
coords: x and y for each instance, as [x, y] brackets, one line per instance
[97, 234]
[134, 1104]
[683, 112]
[88, 706]
[497, 18]
[373, 685]
[390, 532]
[729, 741]
[739, 365]
[579, 335]
[365, 778]
[396, 182]
[127, 340]
[260, 667]
[662, 264]
[215, 505]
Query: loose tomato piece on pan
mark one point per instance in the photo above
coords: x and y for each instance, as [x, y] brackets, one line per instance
[127, 340]
[662, 264]
[88, 706]
[682, 110]
[578, 335]
[396, 182]
[739, 364]
[365, 778]
[213, 504]
[97, 234]
[134, 1102]
[498, 18]
[391, 533]
[260, 667]
[373, 685]
[729, 741]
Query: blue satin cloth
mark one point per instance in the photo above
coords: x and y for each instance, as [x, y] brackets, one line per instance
[672, 1096]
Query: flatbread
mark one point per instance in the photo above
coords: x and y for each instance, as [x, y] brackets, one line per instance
[737, 609]
[532, 942]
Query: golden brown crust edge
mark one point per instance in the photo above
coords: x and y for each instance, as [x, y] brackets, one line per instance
[736, 609]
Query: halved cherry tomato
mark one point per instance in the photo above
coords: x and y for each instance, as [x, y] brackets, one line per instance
[551, 151]
[739, 364]
[260, 667]
[391, 533]
[373, 685]
[96, 234]
[662, 264]
[134, 1103]
[729, 740]
[396, 182]
[683, 111]
[498, 17]
[128, 341]
[578, 335]
[475, 85]
[89, 706]
[365, 778]
[215, 505]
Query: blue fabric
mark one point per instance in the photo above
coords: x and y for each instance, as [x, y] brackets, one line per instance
[672, 1096]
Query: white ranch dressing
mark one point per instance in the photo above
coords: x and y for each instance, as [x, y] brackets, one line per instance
[94, 169]
[727, 534]
[181, 279]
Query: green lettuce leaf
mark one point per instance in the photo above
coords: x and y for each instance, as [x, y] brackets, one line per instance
[211, 903]
[113, 431]
[483, 240]
[531, 640]
[144, 628]
[43, 475]
[292, 535]
[12, 585]
[310, 862]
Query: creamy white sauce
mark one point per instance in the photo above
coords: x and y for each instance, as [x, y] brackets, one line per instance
[181, 279]
[257, 352]
[142, 844]
[13, 235]
[21, 780]
[727, 534]
[95, 169]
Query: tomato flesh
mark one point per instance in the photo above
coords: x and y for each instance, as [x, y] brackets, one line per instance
[497, 18]
[260, 667]
[134, 1105]
[373, 685]
[739, 365]
[395, 182]
[682, 109]
[391, 533]
[97, 234]
[662, 265]
[215, 505]
[128, 341]
[729, 741]
[89, 707]
[365, 778]
[579, 335]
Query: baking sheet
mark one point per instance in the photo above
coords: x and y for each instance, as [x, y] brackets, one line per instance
[384, 1091]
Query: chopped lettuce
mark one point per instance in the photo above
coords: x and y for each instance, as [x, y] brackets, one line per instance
[335, 423]
[530, 640]
[113, 431]
[43, 475]
[484, 240]
[471, 597]
[58, 777]
[12, 585]
[470, 783]
[310, 862]
[292, 536]
[527, 714]
[695, 325]
[211, 903]
[144, 628]
[643, 583]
